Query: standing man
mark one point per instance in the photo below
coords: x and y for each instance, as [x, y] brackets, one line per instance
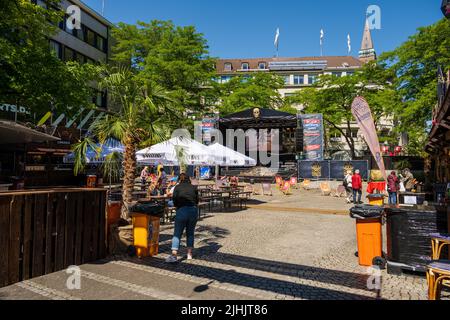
[393, 187]
[357, 187]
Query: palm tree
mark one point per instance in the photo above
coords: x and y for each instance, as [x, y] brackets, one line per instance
[143, 115]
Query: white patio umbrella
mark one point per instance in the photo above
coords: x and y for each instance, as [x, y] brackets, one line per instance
[229, 158]
[196, 154]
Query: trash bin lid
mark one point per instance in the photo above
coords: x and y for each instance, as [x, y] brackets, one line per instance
[151, 209]
[366, 212]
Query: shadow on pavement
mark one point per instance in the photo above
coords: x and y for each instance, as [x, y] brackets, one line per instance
[281, 287]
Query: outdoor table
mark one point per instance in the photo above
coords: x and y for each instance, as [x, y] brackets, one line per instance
[153, 198]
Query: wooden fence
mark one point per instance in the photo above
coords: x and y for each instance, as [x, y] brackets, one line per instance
[47, 231]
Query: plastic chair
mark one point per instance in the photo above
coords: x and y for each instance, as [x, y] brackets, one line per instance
[306, 184]
[286, 189]
[267, 189]
[325, 188]
[340, 192]
[294, 182]
[279, 181]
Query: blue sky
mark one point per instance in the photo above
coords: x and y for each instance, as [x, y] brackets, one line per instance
[246, 28]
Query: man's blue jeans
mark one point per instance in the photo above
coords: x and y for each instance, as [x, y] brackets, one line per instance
[392, 197]
[186, 218]
[357, 193]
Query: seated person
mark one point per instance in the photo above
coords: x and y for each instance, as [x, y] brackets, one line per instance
[234, 182]
[155, 189]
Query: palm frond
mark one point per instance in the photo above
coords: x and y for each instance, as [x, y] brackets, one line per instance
[80, 151]
[111, 168]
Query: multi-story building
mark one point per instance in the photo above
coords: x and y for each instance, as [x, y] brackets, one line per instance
[303, 72]
[89, 44]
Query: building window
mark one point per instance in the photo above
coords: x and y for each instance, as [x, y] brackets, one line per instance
[262, 66]
[101, 42]
[336, 74]
[353, 133]
[68, 54]
[80, 34]
[312, 79]
[228, 67]
[299, 79]
[225, 79]
[80, 58]
[287, 80]
[55, 47]
[245, 66]
[90, 37]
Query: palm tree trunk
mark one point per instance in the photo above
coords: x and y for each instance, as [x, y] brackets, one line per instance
[130, 164]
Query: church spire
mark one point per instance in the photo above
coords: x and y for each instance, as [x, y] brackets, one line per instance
[367, 52]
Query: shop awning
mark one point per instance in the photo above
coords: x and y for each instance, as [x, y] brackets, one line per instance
[12, 132]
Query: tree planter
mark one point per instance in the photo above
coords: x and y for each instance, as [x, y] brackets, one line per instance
[114, 211]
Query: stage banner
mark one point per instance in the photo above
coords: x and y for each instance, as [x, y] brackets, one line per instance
[363, 115]
[208, 124]
[314, 170]
[313, 136]
[338, 169]
[331, 169]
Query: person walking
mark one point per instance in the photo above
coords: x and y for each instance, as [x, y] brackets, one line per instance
[393, 187]
[185, 199]
[348, 186]
[357, 187]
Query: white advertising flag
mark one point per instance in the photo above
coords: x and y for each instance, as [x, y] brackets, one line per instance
[277, 37]
[363, 115]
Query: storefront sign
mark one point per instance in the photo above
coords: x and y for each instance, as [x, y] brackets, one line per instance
[13, 108]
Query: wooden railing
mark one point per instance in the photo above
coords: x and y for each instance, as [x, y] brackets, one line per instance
[49, 230]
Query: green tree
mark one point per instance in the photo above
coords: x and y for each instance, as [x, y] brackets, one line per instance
[170, 56]
[142, 119]
[415, 64]
[333, 97]
[30, 74]
[245, 92]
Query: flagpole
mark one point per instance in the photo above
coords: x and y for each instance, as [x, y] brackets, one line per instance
[103, 7]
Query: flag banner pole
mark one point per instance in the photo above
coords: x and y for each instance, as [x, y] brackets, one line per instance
[363, 115]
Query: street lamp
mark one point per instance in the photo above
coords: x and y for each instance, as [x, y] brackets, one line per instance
[445, 7]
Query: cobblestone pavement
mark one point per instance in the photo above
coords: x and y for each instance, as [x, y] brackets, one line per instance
[252, 254]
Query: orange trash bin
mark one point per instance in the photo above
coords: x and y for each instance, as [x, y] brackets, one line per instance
[370, 242]
[146, 234]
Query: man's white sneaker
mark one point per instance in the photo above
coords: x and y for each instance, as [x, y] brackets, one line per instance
[171, 259]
